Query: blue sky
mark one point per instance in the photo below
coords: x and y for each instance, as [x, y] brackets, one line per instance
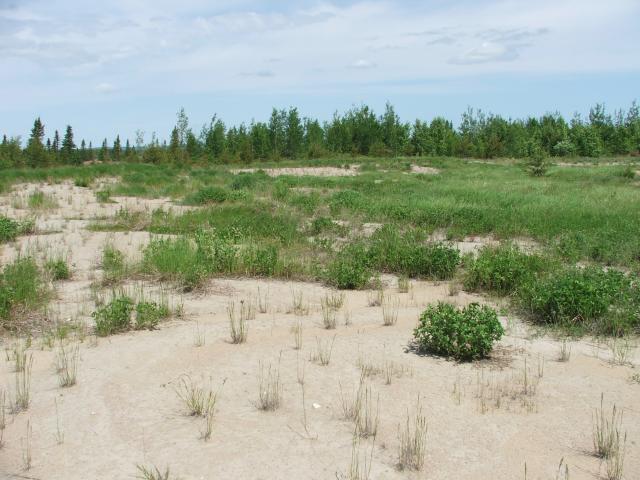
[117, 66]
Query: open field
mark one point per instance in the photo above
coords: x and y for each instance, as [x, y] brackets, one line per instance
[260, 324]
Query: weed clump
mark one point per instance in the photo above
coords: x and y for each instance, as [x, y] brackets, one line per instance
[207, 195]
[58, 269]
[149, 314]
[116, 316]
[21, 289]
[463, 334]
[11, 229]
[501, 270]
[350, 269]
[584, 299]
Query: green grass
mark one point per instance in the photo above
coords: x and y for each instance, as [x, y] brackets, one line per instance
[22, 290]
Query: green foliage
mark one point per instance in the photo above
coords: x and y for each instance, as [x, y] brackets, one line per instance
[537, 163]
[58, 269]
[502, 269]
[114, 317]
[113, 265]
[21, 288]
[350, 269]
[149, 314]
[464, 334]
[9, 229]
[103, 196]
[584, 299]
[207, 195]
[260, 261]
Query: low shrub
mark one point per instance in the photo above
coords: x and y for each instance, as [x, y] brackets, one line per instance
[217, 252]
[260, 261]
[58, 269]
[175, 260]
[464, 334]
[149, 314]
[113, 265]
[501, 270]
[350, 269]
[9, 229]
[114, 317]
[207, 195]
[591, 299]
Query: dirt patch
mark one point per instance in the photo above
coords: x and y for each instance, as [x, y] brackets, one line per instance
[352, 171]
[425, 170]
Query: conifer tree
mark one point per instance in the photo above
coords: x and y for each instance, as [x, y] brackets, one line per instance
[36, 154]
[117, 150]
[68, 147]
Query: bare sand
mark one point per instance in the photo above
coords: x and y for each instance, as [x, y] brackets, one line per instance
[124, 410]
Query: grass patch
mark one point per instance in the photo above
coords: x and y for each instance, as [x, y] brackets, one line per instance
[21, 290]
[11, 229]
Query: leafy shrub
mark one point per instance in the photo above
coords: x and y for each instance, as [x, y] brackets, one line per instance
[590, 298]
[564, 148]
[175, 259]
[501, 269]
[149, 314]
[103, 196]
[9, 229]
[58, 269]
[350, 269]
[113, 265]
[347, 199]
[245, 180]
[216, 252]
[463, 334]
[207, 195]
[114, 317]
[81, 182]
[21, 287]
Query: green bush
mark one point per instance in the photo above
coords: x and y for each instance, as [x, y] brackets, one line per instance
[9, 229]
[114, 317]
[463, 334]
[58, 269]
[207, 195]
[501, 269]
[590, 299]
[216, 252]
[113, 266]
[149, 314]
[350, 269]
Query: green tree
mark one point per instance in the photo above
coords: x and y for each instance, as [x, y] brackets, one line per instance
[294, 134]
[103, 154]
[117, 149]
[68, 147]
[35, 152]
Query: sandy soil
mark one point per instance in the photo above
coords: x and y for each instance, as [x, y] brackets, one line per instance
[306, 171]
[425, 170]
[124, 409]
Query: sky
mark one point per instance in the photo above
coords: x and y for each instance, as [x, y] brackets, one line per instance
[113, 67]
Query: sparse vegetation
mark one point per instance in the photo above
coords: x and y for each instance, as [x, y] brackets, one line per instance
[270, 388]
[412, 438]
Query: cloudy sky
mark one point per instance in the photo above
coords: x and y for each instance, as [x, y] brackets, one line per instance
[118, 65]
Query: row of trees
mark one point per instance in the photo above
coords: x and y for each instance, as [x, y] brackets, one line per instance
[359, 132]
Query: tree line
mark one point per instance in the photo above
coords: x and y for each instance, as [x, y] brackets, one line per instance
[359, 131]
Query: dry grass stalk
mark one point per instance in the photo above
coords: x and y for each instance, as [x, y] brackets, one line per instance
[298, 306]
[238, 325]
[67, 363]
[296, 331]
[329, 315]
[324, 348]
[197, 400]
[3, 416]
[606, 431]
[374, 299]
[413, 440]
[199, 337]
[360, 466]
[404, 285]
[270, 388]
[621, 350]
[152, 473]
[390, 306]
[23, 386]
[263, 301]
[25, 444]
[564, 354]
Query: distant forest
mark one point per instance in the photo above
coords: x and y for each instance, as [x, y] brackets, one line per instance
[359, 131]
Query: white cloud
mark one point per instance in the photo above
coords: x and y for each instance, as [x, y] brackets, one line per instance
[105, 88]
[362, 64]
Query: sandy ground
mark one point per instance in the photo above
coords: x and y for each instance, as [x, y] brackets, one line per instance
[306, 171]
[124, 410]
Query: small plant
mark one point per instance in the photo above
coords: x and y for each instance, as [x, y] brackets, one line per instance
[199, 338]
[360, 466]
[197, 401]
[238, 324]
[296, 331]
[58, 269]
[324, 348]
[366, 421]
[103, 196]
[375, 299]
[334, 300]
[23, 386]
[25, 443]
[9, 229]
[67, 364]
[329, 315]
[404, 284]
[463, 334]
[113, 265]
[537, 163]
[615, 462]
[621, 350]
[270, 388]
[606, 431]
[149, 314]
[413, 440]
[263, 301]
[390, 306]
[3, 416]
[350, 269]
[207, 195]
[564, 355]
[152, 473]
[114, 317]
[298, 305]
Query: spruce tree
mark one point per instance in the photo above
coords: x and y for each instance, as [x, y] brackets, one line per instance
[36, 154]
[68, 147]
[117, 150]
[103, 154]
